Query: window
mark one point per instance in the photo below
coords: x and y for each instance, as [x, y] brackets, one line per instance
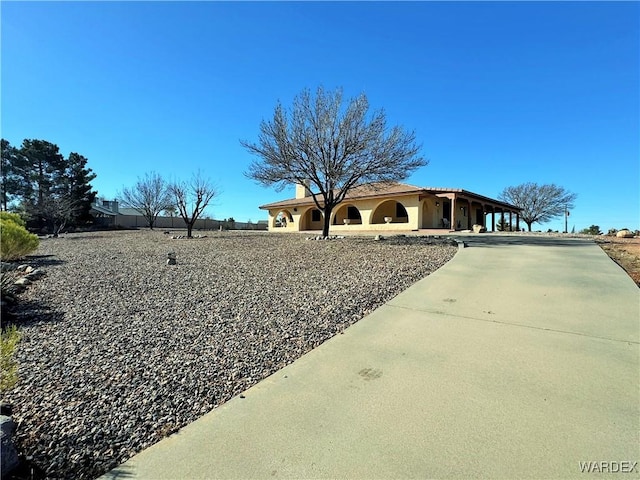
[315, 215]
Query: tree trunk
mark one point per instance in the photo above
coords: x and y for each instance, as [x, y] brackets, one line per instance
[40, 186]
[326, 221]
[189, 229]
[528, 225]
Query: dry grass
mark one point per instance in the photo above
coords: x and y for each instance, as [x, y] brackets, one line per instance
[625, 252]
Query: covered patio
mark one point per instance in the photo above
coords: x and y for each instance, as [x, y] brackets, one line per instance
[396, 207]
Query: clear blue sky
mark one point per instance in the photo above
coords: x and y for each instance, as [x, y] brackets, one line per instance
[498, 93]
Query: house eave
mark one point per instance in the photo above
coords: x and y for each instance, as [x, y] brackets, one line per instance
[410, 190]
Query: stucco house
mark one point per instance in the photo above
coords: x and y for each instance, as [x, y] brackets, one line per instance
[393, 207]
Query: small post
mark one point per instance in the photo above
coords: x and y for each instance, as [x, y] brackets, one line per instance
[171, 258]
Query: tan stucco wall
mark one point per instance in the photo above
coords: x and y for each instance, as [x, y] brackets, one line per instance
[425, 211]
[372, 212]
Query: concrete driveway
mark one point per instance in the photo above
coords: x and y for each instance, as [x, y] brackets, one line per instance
[520, 358]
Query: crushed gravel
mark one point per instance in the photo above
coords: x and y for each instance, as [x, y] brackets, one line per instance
[120, 349]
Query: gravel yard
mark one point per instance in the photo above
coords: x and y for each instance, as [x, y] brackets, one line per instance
[120, 349]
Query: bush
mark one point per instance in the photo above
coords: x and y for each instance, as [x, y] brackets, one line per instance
[13, 217]
[15, 241]
[8, 365]
[612, 232]
[592, 230]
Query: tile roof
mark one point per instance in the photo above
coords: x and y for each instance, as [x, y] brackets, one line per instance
[374, 190]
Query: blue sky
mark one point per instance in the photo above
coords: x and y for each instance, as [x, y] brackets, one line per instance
[498, 93]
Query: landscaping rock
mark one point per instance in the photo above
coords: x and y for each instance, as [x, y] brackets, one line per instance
[479, 228]
[22, 282]
[8, 453]
[6, 408]
[118, 353]
[35, 274]
[6, 266]
[624, 234]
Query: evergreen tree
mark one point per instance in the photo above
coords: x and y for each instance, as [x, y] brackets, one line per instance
[45, 169]
[12, 174]
[78, 189]
[52, 191]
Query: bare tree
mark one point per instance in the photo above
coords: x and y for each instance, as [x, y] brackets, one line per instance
[539, 203]
[331, 147]
[192, 198]
[57, 211]
[149, 196]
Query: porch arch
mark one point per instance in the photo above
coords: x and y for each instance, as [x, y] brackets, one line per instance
[349, 212]
[282, 219]
[431, 213]
[389, 208]
[311, 219]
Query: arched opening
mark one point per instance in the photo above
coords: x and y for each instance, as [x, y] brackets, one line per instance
[432, 213]
[347, 215]
[282, 219]
[390, 211]
[424, 215]
[312, 219]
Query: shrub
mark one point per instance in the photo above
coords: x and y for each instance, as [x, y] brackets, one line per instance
[8, 365]
[13, 217]
[15, 241]
[592, 230]
[612, 232]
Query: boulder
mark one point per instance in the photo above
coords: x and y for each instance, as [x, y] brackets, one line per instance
[479, 228]
[36, 274]
[8, 453]
[23, 281]
[624, 234]
[6, 408]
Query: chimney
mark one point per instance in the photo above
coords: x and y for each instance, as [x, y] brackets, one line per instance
[302, 189]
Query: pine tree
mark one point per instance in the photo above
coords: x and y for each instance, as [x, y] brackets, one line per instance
[12, 174]
[53, 192]
[78, 189]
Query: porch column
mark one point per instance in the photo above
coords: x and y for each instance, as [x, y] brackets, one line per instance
[517, 221]
[502, 218]
[510, 228]
[493, 219]
[453, 213]
[469, 222]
